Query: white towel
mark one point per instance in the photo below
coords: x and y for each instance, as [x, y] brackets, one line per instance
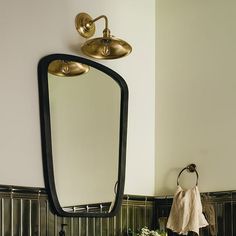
[186, 212]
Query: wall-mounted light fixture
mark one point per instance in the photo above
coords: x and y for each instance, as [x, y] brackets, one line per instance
[106, 47]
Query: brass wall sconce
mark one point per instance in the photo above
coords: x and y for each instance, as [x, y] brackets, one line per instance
[64, 68]
[106, 47]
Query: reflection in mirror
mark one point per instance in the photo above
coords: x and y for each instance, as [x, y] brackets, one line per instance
[65, 68]
[84, 116]
[83, 111]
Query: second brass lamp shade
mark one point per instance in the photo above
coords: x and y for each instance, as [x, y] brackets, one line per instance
[106, 47]
[63, 68]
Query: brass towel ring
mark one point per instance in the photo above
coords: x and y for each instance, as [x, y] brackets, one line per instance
[190, 168]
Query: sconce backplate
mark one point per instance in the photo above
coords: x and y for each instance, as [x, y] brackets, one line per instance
[84, 25]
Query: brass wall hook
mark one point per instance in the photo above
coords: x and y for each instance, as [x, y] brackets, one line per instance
[191, 167]
[106, 47]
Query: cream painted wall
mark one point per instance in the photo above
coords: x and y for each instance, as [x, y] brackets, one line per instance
[32, 29]
[196, 98]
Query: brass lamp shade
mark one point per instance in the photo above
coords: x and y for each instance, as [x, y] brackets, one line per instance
[67, 68]
[106, 48]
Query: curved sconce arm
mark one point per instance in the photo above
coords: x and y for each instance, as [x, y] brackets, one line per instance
[106, 31]
[100, 17]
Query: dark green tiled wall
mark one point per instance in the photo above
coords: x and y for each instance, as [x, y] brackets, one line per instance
[25, 213]
[224, 210]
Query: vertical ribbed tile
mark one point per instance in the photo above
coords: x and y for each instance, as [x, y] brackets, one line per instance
[108, 226]
[94, 227]
[124, 219]
[232, 215]
[71, 226]
[83, 227]
[89, 226]
[50, 225]
[105, 226]
[227, 219]
[149, 216]
[1, 216]
[16, 227]
[79, 223]
[76, 226]
[34, 212]
[111, 227]
[100, 227]
[114, 233]
[43, 218]
[139, 220]
[26, 218]
[130, 217]
[12, 210]
[21, 218]
[97, 224]
[234, 218]
[7, 217]
[220, 221]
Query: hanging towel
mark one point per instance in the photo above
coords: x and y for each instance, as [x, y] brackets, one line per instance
[186, 212]
[209, 211]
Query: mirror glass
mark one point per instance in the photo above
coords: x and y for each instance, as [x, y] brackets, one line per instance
[84, 112]
[84, 116]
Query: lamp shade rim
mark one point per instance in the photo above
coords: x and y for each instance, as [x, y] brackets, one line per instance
[106, 48]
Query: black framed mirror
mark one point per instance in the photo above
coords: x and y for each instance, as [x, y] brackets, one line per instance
[83, 116]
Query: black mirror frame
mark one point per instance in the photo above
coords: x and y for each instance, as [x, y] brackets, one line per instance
[46, 134]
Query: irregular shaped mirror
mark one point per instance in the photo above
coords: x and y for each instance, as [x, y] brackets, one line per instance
[83, 110]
